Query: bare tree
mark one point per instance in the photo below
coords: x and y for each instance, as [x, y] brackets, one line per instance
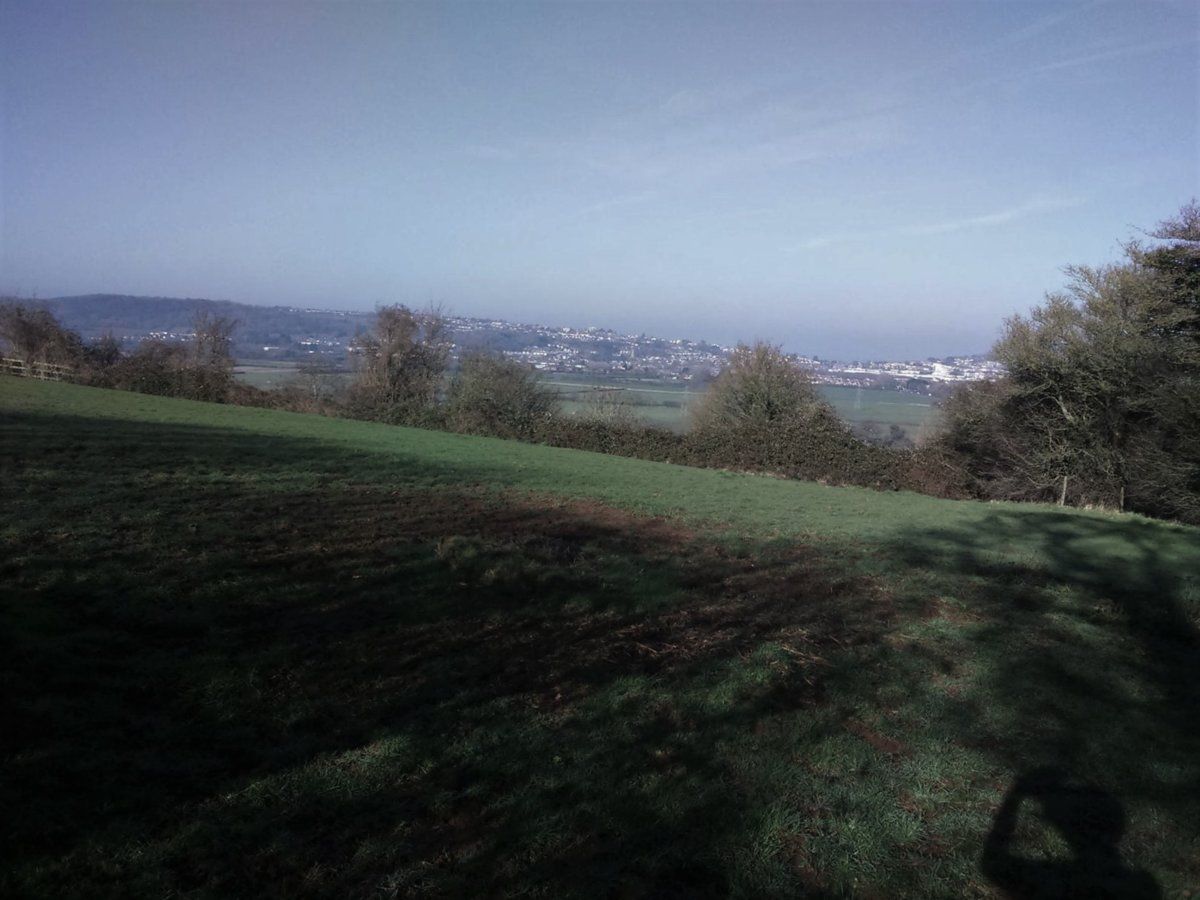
[400, 366]
[210, 363]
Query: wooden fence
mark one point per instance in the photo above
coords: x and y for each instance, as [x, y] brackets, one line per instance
[42, 370]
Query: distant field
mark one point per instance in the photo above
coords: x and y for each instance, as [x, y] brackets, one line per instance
[257, 653]
[667, 403]
[266, 374]
[909, 411]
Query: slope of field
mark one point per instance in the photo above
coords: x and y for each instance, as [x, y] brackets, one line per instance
[256, 653]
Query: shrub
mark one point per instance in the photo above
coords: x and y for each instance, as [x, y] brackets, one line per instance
[34, 335]
[758, 386]
[401, 364]
[498, 396]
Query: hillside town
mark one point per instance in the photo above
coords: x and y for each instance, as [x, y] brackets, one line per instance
[604, 352]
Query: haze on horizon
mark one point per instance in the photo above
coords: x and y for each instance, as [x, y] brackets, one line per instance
[851, 180]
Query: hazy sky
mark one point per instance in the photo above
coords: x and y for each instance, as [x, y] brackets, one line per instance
[849, 179]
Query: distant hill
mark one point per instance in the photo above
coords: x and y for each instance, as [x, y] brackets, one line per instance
[281, 332]
[290, 333]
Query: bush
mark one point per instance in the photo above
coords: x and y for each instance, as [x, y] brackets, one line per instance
[821, 449]
[616, 438]
[401, 365]
[199, 370]
[35, 336]
[759, 386]
[829, 454]
[155, 367]
[498, 396]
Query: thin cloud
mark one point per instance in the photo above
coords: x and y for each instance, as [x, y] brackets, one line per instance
[1042, 25]
[611, 203]
[1009, 41]
[539, 220]
[712, 133]
[1115, 53]
[1028, 209]
[687, 157]
[999, 217]
[699, 135]
[692, 102]
[1074, 62]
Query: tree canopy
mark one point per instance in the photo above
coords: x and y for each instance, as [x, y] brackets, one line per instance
[1099, 405]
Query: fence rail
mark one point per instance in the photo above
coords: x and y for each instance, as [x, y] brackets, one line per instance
[41, 370]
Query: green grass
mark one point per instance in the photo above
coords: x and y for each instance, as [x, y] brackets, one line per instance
[267, 374]
[909, 411]
[258, 653]
[668, 404]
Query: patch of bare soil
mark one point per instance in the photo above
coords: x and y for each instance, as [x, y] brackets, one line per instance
[885, 745]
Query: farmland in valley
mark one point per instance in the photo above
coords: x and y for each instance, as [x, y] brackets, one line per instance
[667, 403]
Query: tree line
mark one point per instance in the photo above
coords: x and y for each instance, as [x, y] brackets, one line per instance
[1100, 405]
[201, 369]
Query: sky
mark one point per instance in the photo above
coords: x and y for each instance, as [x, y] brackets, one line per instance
[850, 180]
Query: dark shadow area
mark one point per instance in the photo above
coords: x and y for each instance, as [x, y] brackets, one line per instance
[1090, 821]
[1087, 665]
[242, 663]
[151, 447]
[270, 664]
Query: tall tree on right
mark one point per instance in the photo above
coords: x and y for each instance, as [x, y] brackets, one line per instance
[1175, 256]
[1099, 406]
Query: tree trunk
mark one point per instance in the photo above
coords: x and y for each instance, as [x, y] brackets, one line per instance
[1121, 499]
[1062, 497]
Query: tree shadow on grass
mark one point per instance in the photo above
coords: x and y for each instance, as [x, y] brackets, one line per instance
[254, 664]
[1086, 662]
[241, 664]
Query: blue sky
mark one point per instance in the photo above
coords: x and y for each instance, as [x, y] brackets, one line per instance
[849, 179]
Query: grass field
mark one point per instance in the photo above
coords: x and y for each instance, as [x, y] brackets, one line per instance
[267, 374]
[667, 404]
[911, 412]
[253, 653]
